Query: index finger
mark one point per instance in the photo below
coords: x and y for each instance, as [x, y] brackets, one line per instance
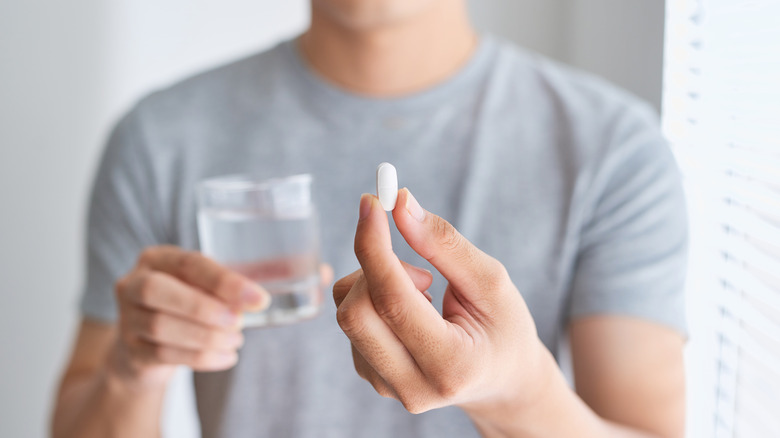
[204, 273]
[464, 265]
[396, 299]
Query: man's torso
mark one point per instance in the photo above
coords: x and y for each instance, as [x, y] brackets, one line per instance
[496, 150]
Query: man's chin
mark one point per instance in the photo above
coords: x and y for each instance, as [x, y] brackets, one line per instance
[371, 14]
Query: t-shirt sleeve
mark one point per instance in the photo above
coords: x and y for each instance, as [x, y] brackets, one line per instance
[633, 242]
[123, 217]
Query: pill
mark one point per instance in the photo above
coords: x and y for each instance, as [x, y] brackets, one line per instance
[387, 185]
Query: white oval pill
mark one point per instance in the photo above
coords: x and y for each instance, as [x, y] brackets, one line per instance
[387, 185]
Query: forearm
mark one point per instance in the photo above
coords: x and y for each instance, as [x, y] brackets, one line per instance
[558, 411]
[99, 405]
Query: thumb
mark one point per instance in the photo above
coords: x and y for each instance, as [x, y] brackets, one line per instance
[465, 266]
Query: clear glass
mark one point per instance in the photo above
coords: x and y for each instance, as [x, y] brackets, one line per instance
[268, 231]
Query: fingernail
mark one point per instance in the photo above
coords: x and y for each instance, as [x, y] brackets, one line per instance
[236, 339]
[251, 296]
[413, 207]
[428, 295]
[365, 205]
[419, 269]
[227, 357]
[229, 319]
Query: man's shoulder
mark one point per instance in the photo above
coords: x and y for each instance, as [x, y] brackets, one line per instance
[563, 88]
[226, 86]
[587, 116]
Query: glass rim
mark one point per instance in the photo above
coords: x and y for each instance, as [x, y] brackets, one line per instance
[238, 183]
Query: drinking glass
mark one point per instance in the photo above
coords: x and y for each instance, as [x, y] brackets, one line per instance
[267, 230]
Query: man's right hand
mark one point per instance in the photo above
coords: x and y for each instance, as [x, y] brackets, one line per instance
[179, 307]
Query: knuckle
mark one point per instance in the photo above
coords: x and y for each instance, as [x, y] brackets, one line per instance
[446, 389]
[390, 307]
[160, 353]
[360, 363]
[126, 335]
[229, 283]
[362, 251]
[496, 276]
[448, 236]
[146, 256]
[384, 391]
[211, 338]
[413, 404]
[198, 310]
[148, 287]
[338, 295]
[380, 387]
[153, 279]
[368, 374]
[349, 319]
[201, 360]
[497, 268]
[155, 325]
[121, 286]
[361, 372]
[450, 383]
[199, 337]
[340, 289]
[189, 261]
[414, 408]
[341, 283]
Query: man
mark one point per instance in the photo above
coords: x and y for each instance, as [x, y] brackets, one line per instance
[570, 219]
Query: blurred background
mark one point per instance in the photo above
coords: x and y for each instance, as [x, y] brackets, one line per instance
[68, 70]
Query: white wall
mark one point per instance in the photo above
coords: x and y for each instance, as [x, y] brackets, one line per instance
[50, 80]
[68, 69]
[621, 40]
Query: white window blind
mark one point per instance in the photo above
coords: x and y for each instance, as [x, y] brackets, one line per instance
[722, 115]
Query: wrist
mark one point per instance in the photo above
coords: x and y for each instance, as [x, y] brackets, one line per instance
[125, 376]
[555, 410]
[516, 409]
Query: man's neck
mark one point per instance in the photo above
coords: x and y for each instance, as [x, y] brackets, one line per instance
[395, 59]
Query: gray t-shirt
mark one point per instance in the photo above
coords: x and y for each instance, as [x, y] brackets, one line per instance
[563, 178]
